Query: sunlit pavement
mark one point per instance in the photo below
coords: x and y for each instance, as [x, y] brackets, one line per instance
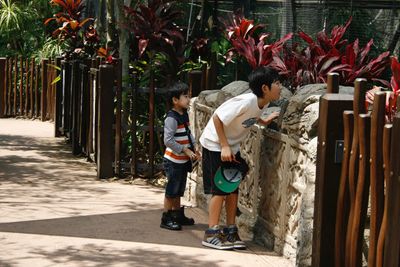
[54, 212]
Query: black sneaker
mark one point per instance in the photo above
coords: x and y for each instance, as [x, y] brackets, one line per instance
[169, 221]
[232, 236]
[214, 238]
[182, 219]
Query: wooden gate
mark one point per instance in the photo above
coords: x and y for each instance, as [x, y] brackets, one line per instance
[358, 166]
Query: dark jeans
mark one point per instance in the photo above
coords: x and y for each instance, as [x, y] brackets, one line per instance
[177, 176]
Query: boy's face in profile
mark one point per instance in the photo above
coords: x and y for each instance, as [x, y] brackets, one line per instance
[274, 92]
[182, 102]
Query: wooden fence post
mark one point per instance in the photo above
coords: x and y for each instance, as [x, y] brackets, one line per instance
[330, 130]
[195, 82]
[376, 170]
[105, 155]
[43, 104]
[118, 118]
[75, 107]
[343, 208]
[3, 86]
[31, 85]
[58, 101]
[392, 239]
[21, 87]
[151, 123]
[15, 86]
[358, 108]
[362, 191]
[333, 83]
[387, 133]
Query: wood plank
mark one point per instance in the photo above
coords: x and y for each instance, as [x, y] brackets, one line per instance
[392, 239]
[358, 108]
[332, 83]
[118, 119]
[343, 207]
[362, 191]
[21, 86]
[105, 155]
[387, 132]
[3, 85]
[43, 98]
[328, 172]
[376, 170]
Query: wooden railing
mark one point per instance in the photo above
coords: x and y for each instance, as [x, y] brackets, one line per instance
[26, 88]
[358, 160]
[86, 107]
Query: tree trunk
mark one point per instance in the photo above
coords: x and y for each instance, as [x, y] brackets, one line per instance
[101, 22]
[123, 35]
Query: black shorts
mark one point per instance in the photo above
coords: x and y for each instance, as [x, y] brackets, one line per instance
[211, 161]
[177, 175]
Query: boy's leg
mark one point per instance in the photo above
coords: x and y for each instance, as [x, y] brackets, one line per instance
[213, 236]
[168, 203]
[170, 217]
[231, 207]
[231, 232]
[214, 210]
[176, 203]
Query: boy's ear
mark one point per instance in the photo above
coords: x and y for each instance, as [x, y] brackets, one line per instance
[265, 88]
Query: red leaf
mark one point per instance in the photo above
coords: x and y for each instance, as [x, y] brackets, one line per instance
[395, 80]
[306, 38]
[365, 51]
[142, 46]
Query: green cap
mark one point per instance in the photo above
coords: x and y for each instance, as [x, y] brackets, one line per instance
[228, 179]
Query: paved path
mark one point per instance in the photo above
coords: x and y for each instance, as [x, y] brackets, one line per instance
[53, 212]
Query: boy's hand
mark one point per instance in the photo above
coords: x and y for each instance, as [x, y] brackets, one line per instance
[227, 155]
[270, 118]
[189, 153]
[198, 155]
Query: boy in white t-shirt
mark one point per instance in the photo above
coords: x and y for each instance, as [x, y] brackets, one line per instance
[221, 141]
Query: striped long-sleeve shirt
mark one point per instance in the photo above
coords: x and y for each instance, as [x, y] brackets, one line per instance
[176, 137]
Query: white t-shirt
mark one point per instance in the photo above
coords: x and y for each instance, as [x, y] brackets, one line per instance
[237, 114]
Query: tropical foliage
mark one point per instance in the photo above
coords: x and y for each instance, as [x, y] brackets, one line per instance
[155, 31]
[21, 26]
[242, 34]
[331, 54]
[391, 107]
[79, 34]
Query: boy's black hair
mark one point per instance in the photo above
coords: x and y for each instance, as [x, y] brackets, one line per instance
[259, 77]
[176, 90]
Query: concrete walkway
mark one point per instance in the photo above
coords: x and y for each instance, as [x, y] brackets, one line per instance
[53, 212]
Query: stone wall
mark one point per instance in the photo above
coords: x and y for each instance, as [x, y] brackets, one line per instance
[277, 197]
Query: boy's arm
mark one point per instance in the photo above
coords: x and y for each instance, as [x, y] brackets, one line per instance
[226, 152]
[170, 127]
[269, 119]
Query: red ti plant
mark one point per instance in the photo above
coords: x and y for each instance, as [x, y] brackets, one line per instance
[312, 63]
[79, 33]
[156, 31]
[391, 106]
[329, 54]
[360, 66]
[241, 33]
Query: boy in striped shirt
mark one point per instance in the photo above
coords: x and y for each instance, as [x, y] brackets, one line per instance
[178, 157]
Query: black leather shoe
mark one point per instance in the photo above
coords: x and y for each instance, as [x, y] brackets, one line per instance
[169, 222]
[183, 220]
